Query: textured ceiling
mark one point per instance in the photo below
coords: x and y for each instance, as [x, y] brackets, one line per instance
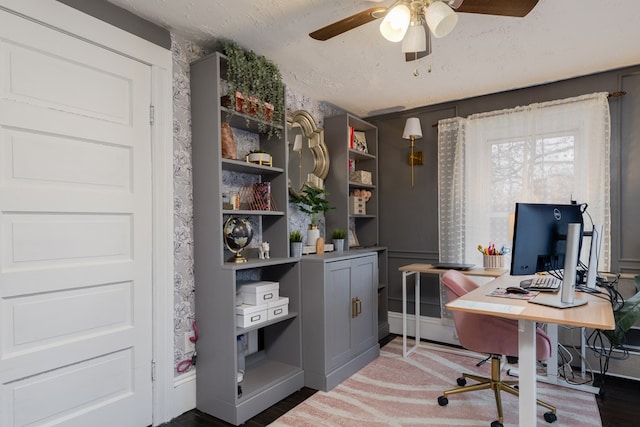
[363, 73]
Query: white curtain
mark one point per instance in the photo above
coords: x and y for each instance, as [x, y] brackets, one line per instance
[552, 152]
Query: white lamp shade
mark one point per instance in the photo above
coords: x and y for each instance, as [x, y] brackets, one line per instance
[394, 25]
[412, 128]
[441, 19]
[415, 40]
[297, 143]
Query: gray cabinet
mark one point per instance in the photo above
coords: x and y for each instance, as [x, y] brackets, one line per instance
[340, 321]
[273, 370]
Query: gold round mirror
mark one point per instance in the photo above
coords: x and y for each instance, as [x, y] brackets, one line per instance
[308, 155]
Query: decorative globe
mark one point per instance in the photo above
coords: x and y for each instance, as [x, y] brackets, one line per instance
[237, 233]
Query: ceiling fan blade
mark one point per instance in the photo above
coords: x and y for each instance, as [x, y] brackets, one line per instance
[349, 23]
[516, 8]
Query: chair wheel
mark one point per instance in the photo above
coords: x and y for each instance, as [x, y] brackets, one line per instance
[550, 417]
[496, 424]
[442, 401]
[462, 381]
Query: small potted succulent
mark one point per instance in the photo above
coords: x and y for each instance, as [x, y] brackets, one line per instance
[295, 241]
[338, 236]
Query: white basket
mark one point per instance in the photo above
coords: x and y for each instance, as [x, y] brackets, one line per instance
[493, 261]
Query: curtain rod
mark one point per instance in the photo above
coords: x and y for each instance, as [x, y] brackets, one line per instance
[616, 94]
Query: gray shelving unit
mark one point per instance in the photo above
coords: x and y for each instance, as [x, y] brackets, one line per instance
[339, 186]
[274, 371]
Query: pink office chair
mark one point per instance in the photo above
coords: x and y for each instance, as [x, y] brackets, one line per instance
[496, 336]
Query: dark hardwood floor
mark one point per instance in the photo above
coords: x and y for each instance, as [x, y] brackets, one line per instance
[619, 406]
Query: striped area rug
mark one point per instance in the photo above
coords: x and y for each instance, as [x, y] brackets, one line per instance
[394, 391]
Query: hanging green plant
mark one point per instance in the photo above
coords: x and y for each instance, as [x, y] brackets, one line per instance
[259, 82]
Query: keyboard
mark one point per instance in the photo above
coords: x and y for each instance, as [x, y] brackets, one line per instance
[543, 284]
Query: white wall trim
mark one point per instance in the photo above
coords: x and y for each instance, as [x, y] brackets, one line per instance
[431, 328]
[78, 24]
[60, 16]
[184, 393]
[162, 164]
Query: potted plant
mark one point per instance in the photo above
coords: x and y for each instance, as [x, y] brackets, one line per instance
[337, 236]
[625, 317]
[255, 87]
[295, 243]
[312, 201]
[260, 157]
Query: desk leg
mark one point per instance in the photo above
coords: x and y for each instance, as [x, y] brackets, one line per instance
[527, 365]
[405, 274]
[552, 363]
[416, 307]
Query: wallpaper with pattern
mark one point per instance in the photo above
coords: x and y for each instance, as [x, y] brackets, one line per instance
[184, 52]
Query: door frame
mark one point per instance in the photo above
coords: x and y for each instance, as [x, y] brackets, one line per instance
[92, 30]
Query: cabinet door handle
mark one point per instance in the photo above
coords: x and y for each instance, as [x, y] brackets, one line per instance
[354, 308]
[358, 306]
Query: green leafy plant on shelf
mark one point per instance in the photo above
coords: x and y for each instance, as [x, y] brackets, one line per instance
[312, 201]
[255, 77]
[295, 236]
[625, 317]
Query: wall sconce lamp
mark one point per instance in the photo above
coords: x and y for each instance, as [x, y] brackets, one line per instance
[413, 131]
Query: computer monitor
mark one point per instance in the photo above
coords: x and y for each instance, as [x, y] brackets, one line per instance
[540, 236]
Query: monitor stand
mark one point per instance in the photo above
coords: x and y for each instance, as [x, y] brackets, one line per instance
[555, 301]
[596, 241]
[566, 299]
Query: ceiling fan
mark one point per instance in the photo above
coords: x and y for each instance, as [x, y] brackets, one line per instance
[413, 21]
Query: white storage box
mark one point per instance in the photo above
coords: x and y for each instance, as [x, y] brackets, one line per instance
[278, 308]
[362, 177]
[247, 315]
[357, 205]
[256, 293]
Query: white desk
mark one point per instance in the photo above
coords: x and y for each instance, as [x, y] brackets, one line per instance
[596, 314]
[415, 270]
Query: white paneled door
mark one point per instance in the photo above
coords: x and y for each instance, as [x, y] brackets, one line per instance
[75, 232]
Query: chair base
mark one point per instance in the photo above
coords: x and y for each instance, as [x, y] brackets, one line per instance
[497, 385]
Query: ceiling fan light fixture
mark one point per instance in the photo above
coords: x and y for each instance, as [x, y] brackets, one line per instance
[395, 24]
[440, 18]
[415, 40]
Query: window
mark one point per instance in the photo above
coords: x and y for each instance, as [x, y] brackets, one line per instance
[552, 152]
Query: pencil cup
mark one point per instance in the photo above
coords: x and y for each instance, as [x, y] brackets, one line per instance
[493, 261]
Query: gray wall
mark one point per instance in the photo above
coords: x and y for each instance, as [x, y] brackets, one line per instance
[409, 217]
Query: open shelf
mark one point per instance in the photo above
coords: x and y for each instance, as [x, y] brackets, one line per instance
[274, 370]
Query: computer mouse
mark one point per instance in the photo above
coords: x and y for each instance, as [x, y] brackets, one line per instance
[516, 290]
[526, 283]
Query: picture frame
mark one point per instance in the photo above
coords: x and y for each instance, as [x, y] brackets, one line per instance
[360, 141]
[352, 238]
